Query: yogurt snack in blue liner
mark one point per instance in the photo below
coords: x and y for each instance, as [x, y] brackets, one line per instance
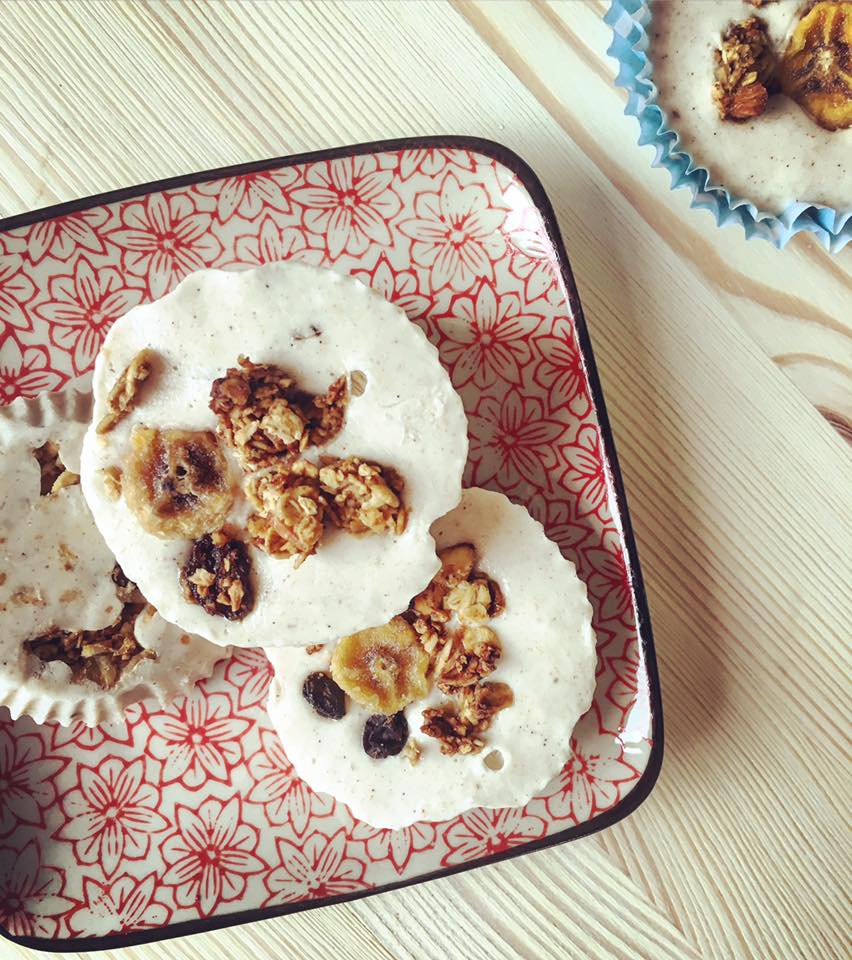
[268, 451]
[78, 642]
[466, 698]
[750, 104]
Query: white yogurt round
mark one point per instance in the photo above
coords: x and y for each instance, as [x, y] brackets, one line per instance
[548, 660]
[56, 574]
[779, 158]
[317, 325]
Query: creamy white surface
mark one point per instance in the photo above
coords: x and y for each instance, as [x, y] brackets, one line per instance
[776, 159]
[317, 325]
[81, 597]
[548, 661]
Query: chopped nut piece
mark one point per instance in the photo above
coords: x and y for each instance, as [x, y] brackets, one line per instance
[124, 394]
[364, 497]
[383, 668]
[328, 413]
[816, 69]
[459, 731]
[290, 508]
[176, 483]
[267, 419]
[65, 479]
[457, 563]
[745, 70]
[412, 751]
[229, 594]
[429, 633]
[112, 482]
[97, 656]
[314, 648]
[126, 590]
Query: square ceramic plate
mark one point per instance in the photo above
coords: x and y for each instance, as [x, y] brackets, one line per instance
[189, 818]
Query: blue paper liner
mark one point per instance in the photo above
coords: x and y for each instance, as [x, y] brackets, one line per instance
[629, 20]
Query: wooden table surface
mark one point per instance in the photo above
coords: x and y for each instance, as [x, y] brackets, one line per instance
[722, 362]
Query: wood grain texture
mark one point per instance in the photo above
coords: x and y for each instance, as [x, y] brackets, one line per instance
[716, 355]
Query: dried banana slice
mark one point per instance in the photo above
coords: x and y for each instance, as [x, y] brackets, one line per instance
[816, 70]
[176, 483]
[383, 668]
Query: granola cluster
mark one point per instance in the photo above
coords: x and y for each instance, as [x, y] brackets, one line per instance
[745, 72]
[388, 667]
[815, 69]
[363, 497]
[267, 419]
[54, 476]
[124, 393]
[289, 511]
[99, 656]
[461, 658]
[459, 726]
[217, 576]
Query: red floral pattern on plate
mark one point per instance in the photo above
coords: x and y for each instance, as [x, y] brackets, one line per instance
[193, 810]
[197, 739]
[26, 372]
[119, 906]
[285, 798]
[27, 775]
[211, 855]
[83, 306]
[319, 868]
[111, 814]
[250, 672]
[481, 833]
[398, 846]
[164, 239]
[30, 901]
[593, 778]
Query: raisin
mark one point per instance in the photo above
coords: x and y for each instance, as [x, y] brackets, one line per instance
[324, 695]
[385, 736]
[217, 576]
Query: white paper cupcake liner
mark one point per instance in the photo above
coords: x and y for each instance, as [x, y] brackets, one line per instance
[45, 691]
[629, 20]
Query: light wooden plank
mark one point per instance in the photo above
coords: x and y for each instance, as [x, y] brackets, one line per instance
[707, 347]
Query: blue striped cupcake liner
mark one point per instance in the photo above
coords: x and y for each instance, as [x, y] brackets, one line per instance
[629, 20]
